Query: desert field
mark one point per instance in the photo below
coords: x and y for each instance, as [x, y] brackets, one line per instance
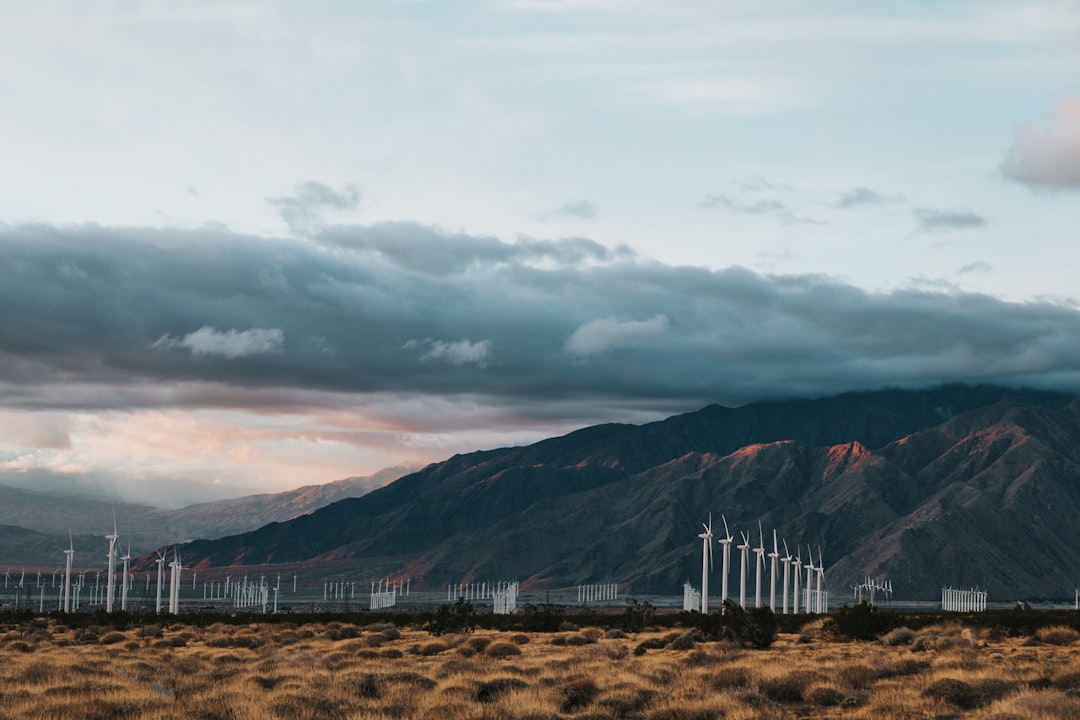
[341, 670]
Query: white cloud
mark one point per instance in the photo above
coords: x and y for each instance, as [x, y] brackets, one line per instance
[228, 343]
[1048, 157]
[599, 335]
[458, 352]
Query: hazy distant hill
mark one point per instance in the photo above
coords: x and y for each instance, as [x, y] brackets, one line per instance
[34, 525]
[926, 487]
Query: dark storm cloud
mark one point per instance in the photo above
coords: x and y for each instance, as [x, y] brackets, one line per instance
[98, 317]
[932, 221]
[303, 210]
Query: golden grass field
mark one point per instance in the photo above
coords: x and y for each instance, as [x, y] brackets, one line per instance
[336, 670]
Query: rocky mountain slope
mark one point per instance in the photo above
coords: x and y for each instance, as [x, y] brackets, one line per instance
[957, 485]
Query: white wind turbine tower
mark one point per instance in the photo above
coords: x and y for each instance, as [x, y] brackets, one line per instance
[174, 583]
[809, 575]
[124, 589]
[160, 562]
[742, 568]
[70, 553]
[797, 567]
[820, 607]
[706, 564]
[787, 570]
[726, 543]
[759, 562]
[772, 572]
[109, 590]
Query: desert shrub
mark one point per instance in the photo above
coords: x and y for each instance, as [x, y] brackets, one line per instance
[703, 658]
[112, 638]
[956, 692]
[88, 634]
[466, 651]
[824, 696]
[457, 618]
[150, 631]
[637, 616]
[479, 644]
[502, 650]
[898, 636]
[786, 689]
[576, 640]
[38, 672]
[20, 646]
[488, 691]
[1057, 635]
[628, 704]
[726, 678]
[756, 628]
[677, 713]
[578, 693]
[592, 634]
[367, 686]
[611, 650]
[432, 648]
[685, 641]
[862, 622]
[650, 644]
[1067, 681]
[391, 653]
[519, 639]
[903, 667]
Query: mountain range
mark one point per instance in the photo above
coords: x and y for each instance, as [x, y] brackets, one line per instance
[34, 526]
[956, 485]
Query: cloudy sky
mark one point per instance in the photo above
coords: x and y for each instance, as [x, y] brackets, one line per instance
[246, 246]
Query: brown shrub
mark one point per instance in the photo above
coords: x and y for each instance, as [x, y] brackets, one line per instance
[1057, 635]
[824, 695]
[578, 693]
[787, 689]
[898, 636]
[956, 692]
[432, 648]
[486, 692]
[502, 650]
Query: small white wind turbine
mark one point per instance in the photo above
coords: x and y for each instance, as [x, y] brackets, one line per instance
[809, 576]
[772, 572]
[820, 576]
[796, 566]
[725, 543]
[70, 553]
[160, 563]
[787, 559]
[759, 562]
[124, 588]
[109, 594]
[706, 564]
[743, 549]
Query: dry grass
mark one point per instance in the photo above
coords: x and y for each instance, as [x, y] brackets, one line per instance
[341, 671]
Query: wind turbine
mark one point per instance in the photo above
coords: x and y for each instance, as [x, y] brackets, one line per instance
[109, 590]
[726, 543]
[797, 566]
[160, 562]
[70, 553]
[124, 589]
[820, 577]
[787, 569]
[759, 551]
[706, 564]
[742, 568]
[809, 574]
[772, 572]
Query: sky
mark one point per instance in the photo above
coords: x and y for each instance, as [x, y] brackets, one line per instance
[247, 246]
